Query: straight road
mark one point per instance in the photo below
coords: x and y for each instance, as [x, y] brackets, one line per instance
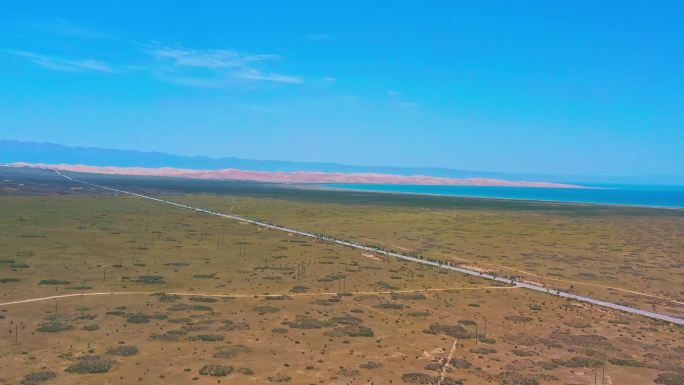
[492, 277]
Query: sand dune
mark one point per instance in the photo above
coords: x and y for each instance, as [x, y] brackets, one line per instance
[295, 177]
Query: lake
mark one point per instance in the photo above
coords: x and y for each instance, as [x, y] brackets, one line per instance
[633, 195]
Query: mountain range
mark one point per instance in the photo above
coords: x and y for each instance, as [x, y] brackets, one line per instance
[12, 151]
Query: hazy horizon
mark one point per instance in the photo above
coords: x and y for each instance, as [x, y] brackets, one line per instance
[54, 153]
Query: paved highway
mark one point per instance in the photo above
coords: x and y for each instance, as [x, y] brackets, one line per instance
[341, 242]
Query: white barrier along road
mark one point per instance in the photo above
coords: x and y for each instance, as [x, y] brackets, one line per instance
[492, 277]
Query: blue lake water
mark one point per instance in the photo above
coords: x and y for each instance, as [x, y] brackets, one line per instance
[634, 195]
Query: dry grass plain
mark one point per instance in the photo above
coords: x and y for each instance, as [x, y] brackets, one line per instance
[631, 257]
[260, 307]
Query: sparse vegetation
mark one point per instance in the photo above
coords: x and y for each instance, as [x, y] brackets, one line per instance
[216, 370]
[36, 378]
[54, 327]
[90, 365]
[301, 340]
[124, 351]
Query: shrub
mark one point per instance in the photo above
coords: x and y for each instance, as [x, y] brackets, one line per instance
[519, 318]
[371, 365]
[357, 331]
[37, 377]
[417, 378]
[625, 362]
[114, 312]
[670, 378]
[418, 314]
[408, 296]
[460, 363]
[168, 297]
[523, 353]
[207, 337]
[91, 328]
[483, 350]
[266, 309]
[138, 318]
[455, 331]
[184, 306]
[234, 326]
[216, 370]
[619, 321]
[514, 378]
[577, 324]
[150, 279]
[54, 327]
[203, 299]
[90, 364]
[180, 320]
[171, 335]
[279, 378]
[231, 352]
[347, 320]
[20, 266]
[245, 371]
[308, 323]
[54, 282]
[546, 365]
[299, 289]
[124, 351]
[205, 276]
[594, 341]
[578, 362]
[9, 280]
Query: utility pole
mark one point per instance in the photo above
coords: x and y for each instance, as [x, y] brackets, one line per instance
[603, 368]
[476, 332]
[595, 374]
[484, 333]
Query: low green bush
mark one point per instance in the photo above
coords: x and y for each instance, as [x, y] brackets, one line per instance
[37, 377]
[216, 370]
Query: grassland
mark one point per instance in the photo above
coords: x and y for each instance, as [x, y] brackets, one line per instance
[206, 300]
[635, 258]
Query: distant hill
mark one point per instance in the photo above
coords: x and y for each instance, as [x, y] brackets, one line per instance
[33, 152]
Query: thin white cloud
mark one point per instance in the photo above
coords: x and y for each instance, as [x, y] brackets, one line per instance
[56, 63]
[215, 67]
[211, 58]
[203, 68]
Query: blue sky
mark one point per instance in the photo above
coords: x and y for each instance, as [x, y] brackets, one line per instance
[526, 87]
